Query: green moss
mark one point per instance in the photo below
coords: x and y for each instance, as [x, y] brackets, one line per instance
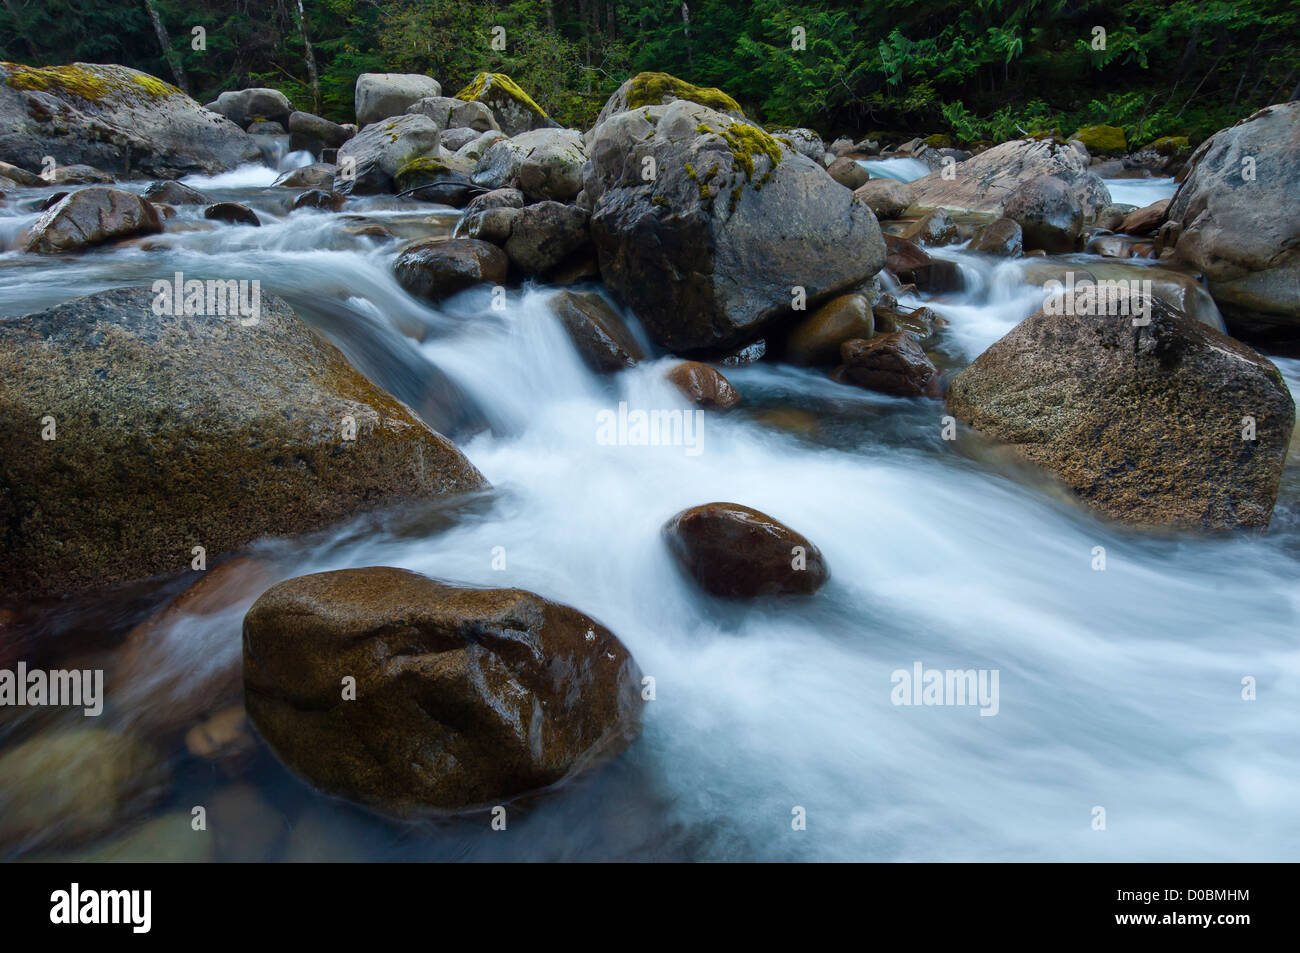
[1170, 145]
[745, 141]
[500, 83]
[1103, 140]
[653, 89]
[938, 141]
[95, 86]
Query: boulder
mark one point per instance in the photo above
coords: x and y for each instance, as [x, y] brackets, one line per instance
[232, 213]
[497, 198]
[113, 118]
[890, 364]
[710, 251]
[1002, 237]
[543, 164]
[175, 193]
[704, 385]
[263, 128]
[381, 95]
[245, 106]
[318, 175]
[442, 179]
[454, 139]
[602, 339]
[313, 134]
[474, 149]
[465, 698]
[1145, 221]
[1239, 225]
[803, 141]
[437, 268]
[848, 173]
[320, 199]
[91, 216]
[910, 264]
[543, 236]
[78, 175]
[885, 197]
[64, 787]
[933, 228]
[982, 184]
[1048, 212]
[223, 428]
[488, 224]
[451, 113]
[817, 338]
[736, 552]
[513, 108]
[381, 149]
[660, 89]
[20, 176]
[1145, 424]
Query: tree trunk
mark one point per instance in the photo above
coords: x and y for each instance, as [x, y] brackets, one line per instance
[169, 54]
[311, 60]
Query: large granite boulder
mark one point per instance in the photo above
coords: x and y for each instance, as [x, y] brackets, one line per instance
[464, 698]
[113, 118]
[985, 182]
[543, 164]
[710, 230]
[1239, 221]
[380, 95]
[245, 106]
[221, 428]
[368, 163]
[1166, 424]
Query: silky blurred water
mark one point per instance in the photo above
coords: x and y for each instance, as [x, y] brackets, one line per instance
[1119, 689]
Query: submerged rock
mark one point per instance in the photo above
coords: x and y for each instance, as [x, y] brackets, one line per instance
[1145, 424]
[91, 216]
[113, 118]
[67, 786]
[737, 552]
[223, 432]
[465, 698]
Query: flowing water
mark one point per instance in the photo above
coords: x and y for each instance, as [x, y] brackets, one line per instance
[1119, 688]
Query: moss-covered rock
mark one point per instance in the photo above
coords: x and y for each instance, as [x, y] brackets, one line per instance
[114, 118]
[1171, 145]
[1103, 140]
[514, 109]
[660, 89]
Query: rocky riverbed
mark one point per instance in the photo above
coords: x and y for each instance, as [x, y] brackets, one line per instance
[454, 485]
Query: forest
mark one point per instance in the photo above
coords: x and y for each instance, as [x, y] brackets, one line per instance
[974, 69]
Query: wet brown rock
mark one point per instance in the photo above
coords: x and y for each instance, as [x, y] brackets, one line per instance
[886, 197]
[737, 552]
[891, 364]
[704, 385]
[318, 199]
[174, 193]
[464, 697]
[598, 332]
[436, 269]
[231, 212]
[1144, 424]
[910, 264]
[934, 228]
[91, 216]
[1002, 237]
[222, 433]
[1145, 221]
[848, 173]
[817, 338]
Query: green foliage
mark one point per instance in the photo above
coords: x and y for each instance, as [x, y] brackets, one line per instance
[976, 69]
